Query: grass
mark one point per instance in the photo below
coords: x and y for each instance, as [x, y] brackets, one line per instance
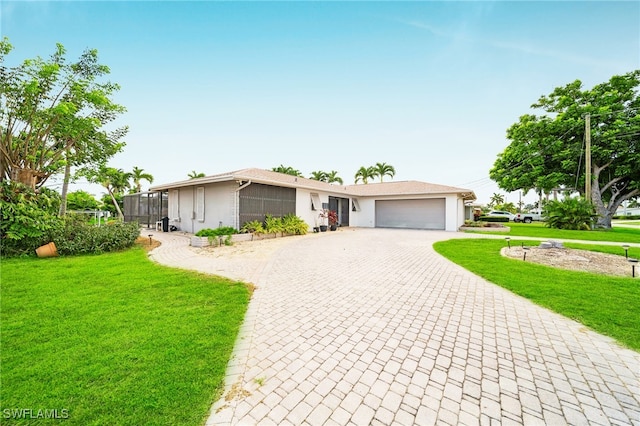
[539, 230]
[115, 339]
[608, 305]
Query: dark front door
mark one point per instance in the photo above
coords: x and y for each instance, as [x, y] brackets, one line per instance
[341, 206]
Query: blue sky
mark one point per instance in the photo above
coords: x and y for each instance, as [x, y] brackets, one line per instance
[429, 87]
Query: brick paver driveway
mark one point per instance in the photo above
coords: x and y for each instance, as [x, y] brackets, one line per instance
[371, 326]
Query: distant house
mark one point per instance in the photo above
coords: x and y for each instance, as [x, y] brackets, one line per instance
[234, 198]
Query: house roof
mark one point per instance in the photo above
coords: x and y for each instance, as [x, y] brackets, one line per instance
[269, 177]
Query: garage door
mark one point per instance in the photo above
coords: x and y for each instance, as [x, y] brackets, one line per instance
[414, 214]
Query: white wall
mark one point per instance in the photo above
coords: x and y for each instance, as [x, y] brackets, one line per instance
[454, 211]
[219, 202]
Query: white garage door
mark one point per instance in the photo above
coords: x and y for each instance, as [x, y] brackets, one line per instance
[414, 214]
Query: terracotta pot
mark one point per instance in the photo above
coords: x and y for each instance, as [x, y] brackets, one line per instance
[47, 250]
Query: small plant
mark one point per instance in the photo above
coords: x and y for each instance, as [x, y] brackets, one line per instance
[272, 225]
[570, 213]
[254, 226]
[332, 215]
[259, 381]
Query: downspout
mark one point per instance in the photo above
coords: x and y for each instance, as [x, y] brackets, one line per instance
[237, 202]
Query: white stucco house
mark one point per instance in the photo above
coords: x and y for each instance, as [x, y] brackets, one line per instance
[234, 198]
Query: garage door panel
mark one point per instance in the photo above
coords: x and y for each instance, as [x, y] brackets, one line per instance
[413, 214]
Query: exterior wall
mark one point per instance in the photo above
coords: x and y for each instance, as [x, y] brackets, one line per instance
[219, 207]
[454, 211]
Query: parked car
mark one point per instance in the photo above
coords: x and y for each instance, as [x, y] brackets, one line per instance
[528, 217]
[501, 213]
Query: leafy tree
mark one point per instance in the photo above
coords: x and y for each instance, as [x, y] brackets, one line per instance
[547, 151]
[332, 177]
[507, 207]
[384, 169]
[570, 213]
[139, 175]
[364, 174]
[496, 199]
[287, 170]
[195, 175]
[81, 200]
[52, 116]
[319, 175]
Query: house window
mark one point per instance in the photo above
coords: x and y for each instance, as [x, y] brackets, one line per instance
[355, 206]
[174, 204]
[315, 201]
[200, 204]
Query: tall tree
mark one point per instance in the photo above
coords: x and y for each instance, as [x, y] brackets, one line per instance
[195, 175]
[319, 175]
[496, 199]
[332, 177]
[52, 116]
[139, 175]
[364, 174]
[115, 181]
[384, 169]
[287, 170]
[547, 151]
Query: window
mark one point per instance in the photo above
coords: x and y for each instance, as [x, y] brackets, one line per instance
[174, 204]
[200, 204]
[355, 206]
[315, 201]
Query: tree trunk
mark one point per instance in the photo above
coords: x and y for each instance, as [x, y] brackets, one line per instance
[65, 188]
[117, 206]
[26, 177]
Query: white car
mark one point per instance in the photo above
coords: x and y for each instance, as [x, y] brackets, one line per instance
[501, 213]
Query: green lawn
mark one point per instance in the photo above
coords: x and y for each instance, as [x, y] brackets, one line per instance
[115, 339]
[608, 305]
[539, 230]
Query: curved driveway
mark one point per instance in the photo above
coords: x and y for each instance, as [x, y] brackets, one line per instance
[372, 327]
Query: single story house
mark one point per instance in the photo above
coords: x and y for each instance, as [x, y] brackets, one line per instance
[234, 198]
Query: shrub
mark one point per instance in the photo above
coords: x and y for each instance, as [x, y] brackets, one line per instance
[292, 224]
[254, 226]
[75, 235]
[25, 217]
[493, 219]
[570, 213]
[218, 232]
[272, 224]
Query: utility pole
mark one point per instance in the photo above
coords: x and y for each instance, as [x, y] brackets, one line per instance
[587, 136]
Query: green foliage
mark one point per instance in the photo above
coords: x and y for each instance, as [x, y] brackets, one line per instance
[508, 207]
[493, 219]
[26, 217]
[81, 200]
[253, 226]
[272, 225]
[52, 115]
[217, 232]
[570, 213]
[287, 170]
[292, 224]
[546, 150]
[76, 235]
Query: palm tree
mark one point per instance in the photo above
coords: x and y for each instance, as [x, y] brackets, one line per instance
[138, 175]
[384, 169]
[195, 175]
[116, 181]
[287, 170]
[496, 199]
[332, 177]
[319, 175]
[364, 174]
